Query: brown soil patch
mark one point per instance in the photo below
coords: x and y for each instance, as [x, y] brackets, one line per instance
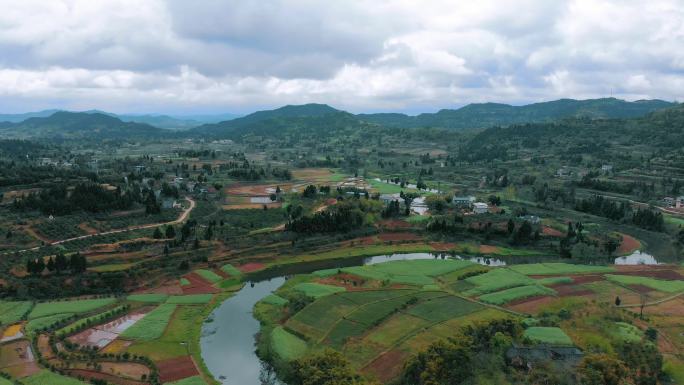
[387, 367]
[443, 246]
[488, 249]
[551, 232]
[176, 369]
[87, 229]
[130, 370]
[530, 305]
[399, 237]
[17, 359]
[169, 287]
[628, 245]
[571, 290]
[659, 273]
[640, 288]
[394, 224]
[250, 267]
[673, 307]
[44, 347]
[197, 285]
[313, 174]
[579, 279]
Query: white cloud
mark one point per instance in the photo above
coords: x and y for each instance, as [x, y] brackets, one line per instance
[229, 55]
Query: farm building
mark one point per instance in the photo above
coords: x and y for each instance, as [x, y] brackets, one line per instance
[669, 201]
[607, 168]
[480, 208]
[679, 203]
[464, 201]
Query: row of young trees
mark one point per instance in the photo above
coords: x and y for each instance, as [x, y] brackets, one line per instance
[75, 264]
[645, 218]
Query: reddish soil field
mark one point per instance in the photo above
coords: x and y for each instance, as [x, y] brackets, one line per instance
[655, 272]
[640, 288]
[344, 280]
[628, 245]
[91, 374]
[488, 249]
[176, 369]
[395, 224]
[571, 289]
[530, 305]
[44, 347]
[551, 232]
[17, 359]
[386, 367]
[250, 267]
[443, 246]
[399, 237]
[197, 285]
[577, 279]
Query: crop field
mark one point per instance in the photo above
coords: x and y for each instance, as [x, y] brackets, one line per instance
[11, 312]
[317, 290]
[655, 284]
[558, 268]
[415, 272]
[273, 299]
[46, 377]
[40, 323]
[495, 280]
[152, 325]
[195, 380]
[286, 345]
[554, 280]
[548, 335]
[77, 306]
[443, 308]
[148, 298]
[189, 299]
[208, 275]
[514, 293]
[231, 270]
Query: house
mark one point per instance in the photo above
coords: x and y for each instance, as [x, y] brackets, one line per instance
[607, 168]
[139, 168]
[679, 203]
[562, 172]
[480, 208]
[178, 181]
[465, 201]
[669, 201]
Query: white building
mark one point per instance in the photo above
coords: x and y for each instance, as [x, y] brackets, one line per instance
[465, 201]
[480, 208]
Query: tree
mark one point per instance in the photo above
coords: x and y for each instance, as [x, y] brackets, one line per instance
[170, 232]
[618, 301]
[157, 234]
[444, 362]
[601, 369]
[511, 226]
[61, 262]
[326, 368]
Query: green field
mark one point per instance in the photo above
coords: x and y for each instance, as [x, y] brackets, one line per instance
[231, 270]
[184, 282]
[208, 275]
[173, 342]
[11, 312]
[548, 335]
[554, 280]
[46, 377]
[416, 272]
[86, 321]
[655, 284]
[40, 323]
[152, 325]
[286, 345]
[495, 280]
[629, 332]
[195, 380]
[273, 299]
[558, 268]
[443, 308]
[148, 298]
[190, 299]
[317, 290]
[4, 381]
[78, 306]
[514, 293]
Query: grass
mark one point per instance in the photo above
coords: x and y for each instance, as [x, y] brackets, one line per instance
[387, 188]
[184, 282]
[558, 268]
[317, 290]
[514, 293]
[152, 325]
[274, 299]
[418, 219]
[195, 380]
[318, 317]
[77, 306]
[190, 299]
[628, 332]
[4, 381]
[148, 298]
[655, 284]
[548, 335]
[415, 272]
[495, 280]
[112, 267]
[208, 275]
[38, 324]
[231, 270]
[46, 377]
[11, 312]
[286, 345]
[443, 308]
[554, 280]
[85, 322]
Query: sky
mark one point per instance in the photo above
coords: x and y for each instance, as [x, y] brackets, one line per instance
[217, 56]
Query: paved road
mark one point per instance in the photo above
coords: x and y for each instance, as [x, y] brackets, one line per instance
[184, 215]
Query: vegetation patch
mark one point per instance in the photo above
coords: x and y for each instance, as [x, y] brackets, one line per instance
[317, 290]
[443, 308]
[231, 270]
[148, 298]
[208, 275]
[655, 284]
[555, 280]
[46, 377]
[11, 312]
[194, 380]
[558, 268]
[495, 280]
[190, 299]
[273, 299]
[286, 345]
[77, 306]
[514, 293]
[629, 332]
[41, 323]
[152, 325]
[547, 335]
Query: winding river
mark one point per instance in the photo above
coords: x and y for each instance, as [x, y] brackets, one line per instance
[228, 337]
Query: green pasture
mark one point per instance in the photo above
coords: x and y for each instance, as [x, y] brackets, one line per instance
[515, 293]
[46, 377]
[208, 275]
[495, 280]
[189, 299]
[548, 335]
[317, 290]
[76, 306]
[41, 323]
[558, 268]
[655, 284]
[286, 345]
[443, 308]
[11, 312]
[152, 325]
[148, 298]
[194, 380]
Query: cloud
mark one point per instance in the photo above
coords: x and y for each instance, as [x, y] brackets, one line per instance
[230, 55]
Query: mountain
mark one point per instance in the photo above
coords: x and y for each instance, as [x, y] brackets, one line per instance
[79, 125]
[271, 122]
[177, 122]
[16, 118]
[482, 115]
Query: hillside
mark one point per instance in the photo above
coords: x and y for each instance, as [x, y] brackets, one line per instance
[482, 115]
[79, 125]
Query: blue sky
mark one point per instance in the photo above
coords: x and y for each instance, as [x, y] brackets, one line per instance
[184, 57]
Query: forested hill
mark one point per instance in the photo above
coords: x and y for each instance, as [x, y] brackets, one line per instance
[485, 115]
[80, 125]
[659, 132]
[307, 118]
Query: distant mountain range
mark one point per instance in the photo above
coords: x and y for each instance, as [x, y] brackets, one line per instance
[180, 122]
[308, 119]
[483, 115]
